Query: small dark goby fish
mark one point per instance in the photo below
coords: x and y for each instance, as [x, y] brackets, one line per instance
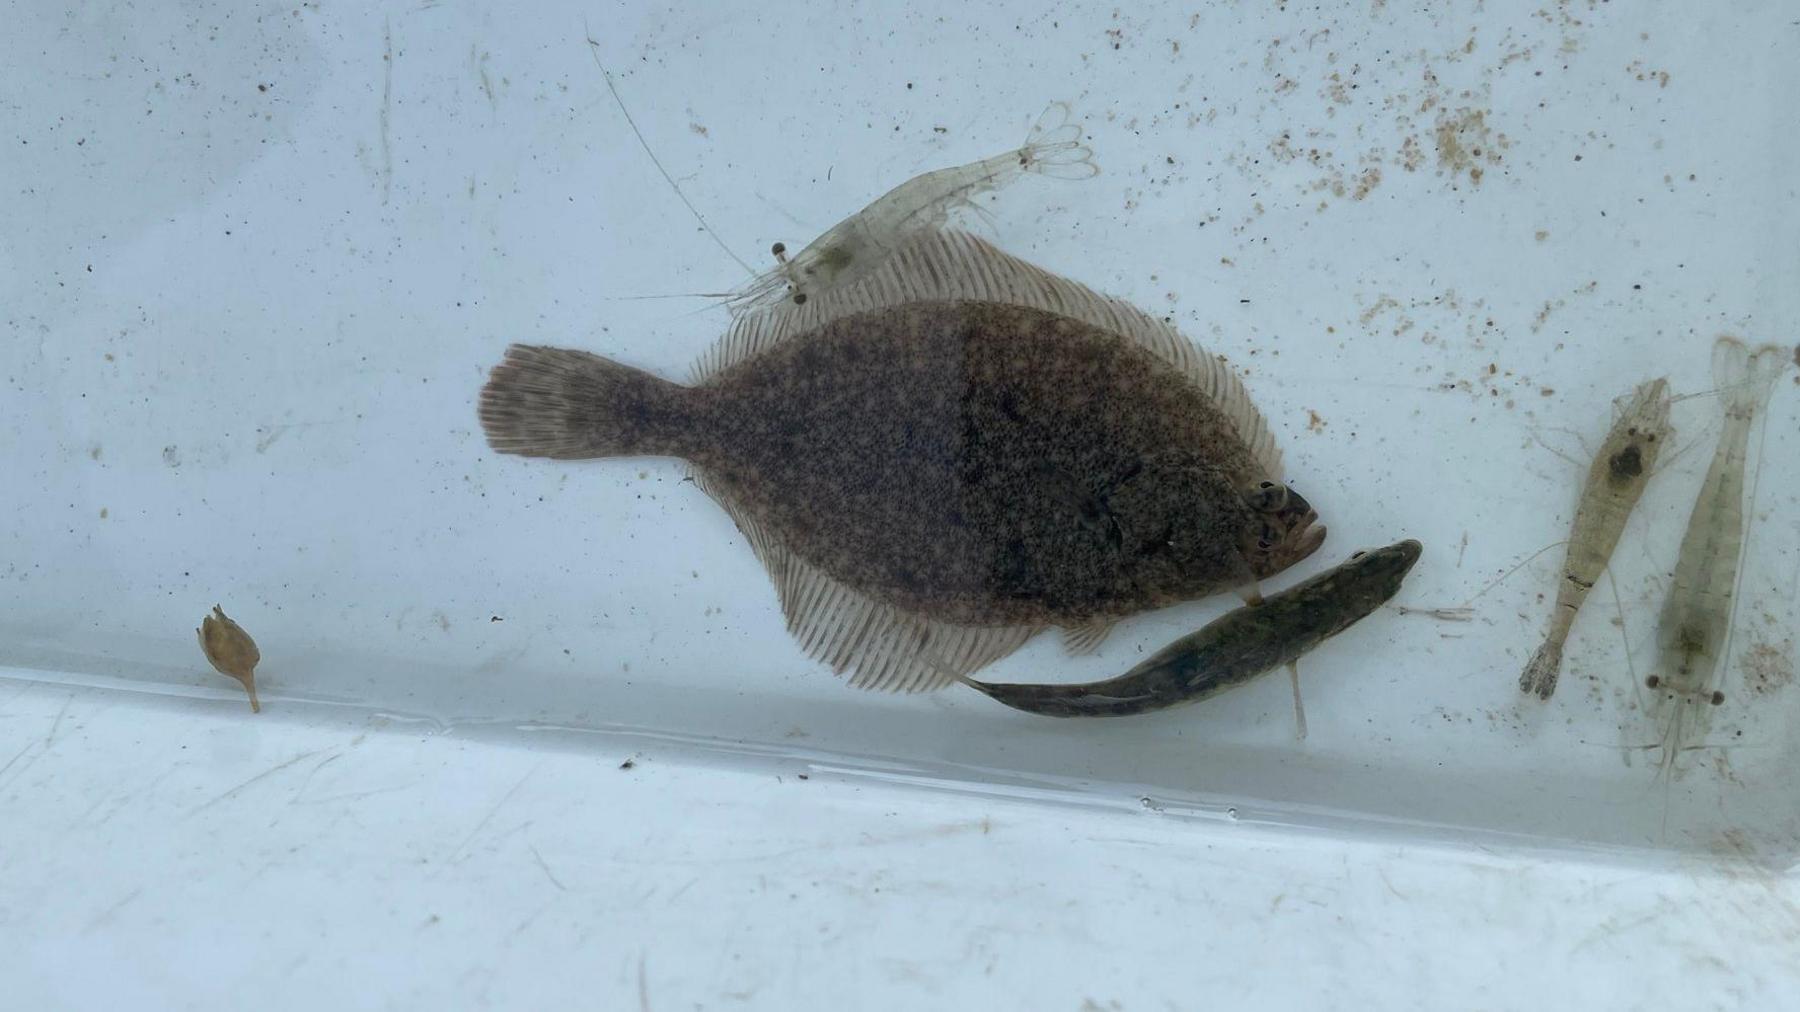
[1232, 649]
[943, 459]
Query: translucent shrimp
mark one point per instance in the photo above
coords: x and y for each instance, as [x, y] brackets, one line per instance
[1616, 480]
[854, 247]
[1696, 618]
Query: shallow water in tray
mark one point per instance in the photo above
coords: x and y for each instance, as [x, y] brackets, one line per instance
[1434, 248]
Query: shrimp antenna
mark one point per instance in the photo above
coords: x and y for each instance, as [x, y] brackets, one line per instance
[1502, 578]
[669, 295]
[1762, 443]
[594, 51]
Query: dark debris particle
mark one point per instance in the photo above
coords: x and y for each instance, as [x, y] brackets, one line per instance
[627, 764]
[495, 618]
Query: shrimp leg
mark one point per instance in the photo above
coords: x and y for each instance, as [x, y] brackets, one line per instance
[1615, 482]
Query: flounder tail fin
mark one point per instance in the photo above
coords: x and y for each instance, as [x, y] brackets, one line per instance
[552, 402]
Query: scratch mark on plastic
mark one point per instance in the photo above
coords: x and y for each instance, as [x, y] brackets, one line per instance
[387, 105]
[457, 854]
[539, 858]
[56, 726]
[265, 774]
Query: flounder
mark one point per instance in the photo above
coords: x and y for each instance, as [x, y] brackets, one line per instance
[945, 457]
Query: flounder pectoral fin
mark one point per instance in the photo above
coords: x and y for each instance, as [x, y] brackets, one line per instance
[1083, 639]
[880, 646]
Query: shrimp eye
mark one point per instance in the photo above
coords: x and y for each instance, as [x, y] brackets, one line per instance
[1652, 682]
[1717, 697]
[778, 249]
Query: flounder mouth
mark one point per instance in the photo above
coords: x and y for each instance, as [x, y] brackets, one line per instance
[1303, 539]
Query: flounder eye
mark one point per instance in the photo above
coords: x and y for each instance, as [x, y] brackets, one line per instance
[1267, 497]
[1357, 555]
[1267, 538]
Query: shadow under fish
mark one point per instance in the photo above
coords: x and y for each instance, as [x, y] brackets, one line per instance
[1232, 649]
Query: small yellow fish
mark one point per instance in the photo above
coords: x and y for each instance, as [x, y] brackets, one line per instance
[231, 651]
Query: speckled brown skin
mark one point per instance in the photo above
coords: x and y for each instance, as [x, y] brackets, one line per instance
[1230, 650]
[975, 463]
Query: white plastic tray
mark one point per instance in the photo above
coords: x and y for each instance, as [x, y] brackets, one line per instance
[250, 295]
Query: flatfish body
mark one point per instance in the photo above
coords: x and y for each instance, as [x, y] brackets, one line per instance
[940, 461]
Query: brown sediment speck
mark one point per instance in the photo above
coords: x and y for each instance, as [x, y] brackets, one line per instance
[1412, 155]
[1314, 423]
[1768, 667]
[1383, 303]
[231, 651]
[1639, 70]
[1465, 144]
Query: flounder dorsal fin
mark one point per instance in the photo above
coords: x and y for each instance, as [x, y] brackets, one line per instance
[884, 648]
[951, 265]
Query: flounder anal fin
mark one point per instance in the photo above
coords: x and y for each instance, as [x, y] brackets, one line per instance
[882, 647]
